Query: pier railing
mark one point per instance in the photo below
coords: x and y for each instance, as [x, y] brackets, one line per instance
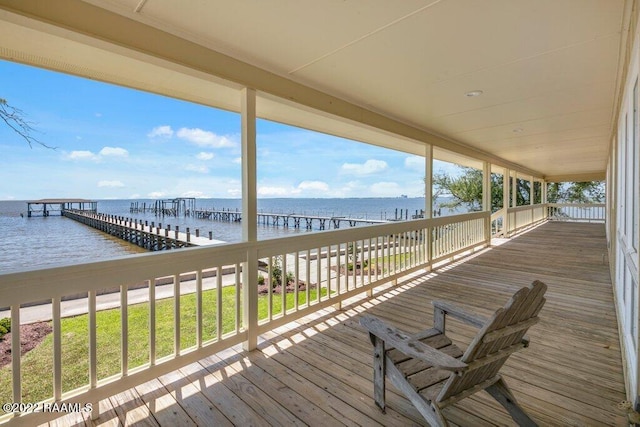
[582, 212]
[219, 296]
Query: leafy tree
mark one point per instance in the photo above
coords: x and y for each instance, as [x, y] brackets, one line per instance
[15, 119]
[576, 192]
[466, 189]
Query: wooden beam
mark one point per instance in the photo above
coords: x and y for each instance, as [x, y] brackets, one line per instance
[592, 176]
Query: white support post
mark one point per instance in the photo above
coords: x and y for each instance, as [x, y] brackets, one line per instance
[486, 199]
[543, 199]
[514, 190]
[428, 201]
[428, 181]
[531, 192]
[249, 217]
[506, 195]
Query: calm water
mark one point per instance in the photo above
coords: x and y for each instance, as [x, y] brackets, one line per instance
[38, 242]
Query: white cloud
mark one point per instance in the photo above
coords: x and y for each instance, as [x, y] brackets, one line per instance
[369, 167]
[98, 114]
[161, 132]
[193, 193]
[134, 196]
[197, 168]
[385, 189]
[114, 151]
[204, 138]
[317, 186]
[275, 191]
[113, 184]
[234, 192]
[156, 195]
[414, 162]
[205, 156]
[82, 155]
[237, 160]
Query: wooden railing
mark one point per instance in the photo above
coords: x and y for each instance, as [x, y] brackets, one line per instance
[321, 269]
[498, 223]
[522, 217]
[584, 212]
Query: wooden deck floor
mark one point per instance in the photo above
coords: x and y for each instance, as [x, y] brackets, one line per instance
[319, 372]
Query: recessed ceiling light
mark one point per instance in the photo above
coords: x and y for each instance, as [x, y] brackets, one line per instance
[518, 130]
[474, 93]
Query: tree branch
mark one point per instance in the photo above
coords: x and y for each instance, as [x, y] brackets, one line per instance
[14, 118]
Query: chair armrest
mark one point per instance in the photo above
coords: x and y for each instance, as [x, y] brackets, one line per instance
[460, 313]
[403, 342]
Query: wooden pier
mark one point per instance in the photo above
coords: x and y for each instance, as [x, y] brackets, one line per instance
[286, 220]
[149, 236]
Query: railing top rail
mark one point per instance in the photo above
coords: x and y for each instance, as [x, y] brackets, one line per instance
[526, 207]
[577, 205]
[498, 214]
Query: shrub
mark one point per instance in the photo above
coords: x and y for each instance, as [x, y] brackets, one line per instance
[5, 326]
[276, 271]
[290, 277]
[6, 323]
[260, 279]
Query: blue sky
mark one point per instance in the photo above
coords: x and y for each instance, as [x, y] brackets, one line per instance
[118, 143]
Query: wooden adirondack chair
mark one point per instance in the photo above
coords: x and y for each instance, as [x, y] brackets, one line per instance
[434, 373]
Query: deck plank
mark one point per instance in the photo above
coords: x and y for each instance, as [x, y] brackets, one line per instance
[318, 370]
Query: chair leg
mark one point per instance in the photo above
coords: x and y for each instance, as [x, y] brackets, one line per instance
[379, 372]
[501, 392]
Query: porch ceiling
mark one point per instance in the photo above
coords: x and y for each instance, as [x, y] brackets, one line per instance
[548, 70]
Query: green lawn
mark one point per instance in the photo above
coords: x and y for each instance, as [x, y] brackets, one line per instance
[37, 365]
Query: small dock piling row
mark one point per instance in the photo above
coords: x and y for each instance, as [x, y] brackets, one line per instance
[286, 220]
[144, 234]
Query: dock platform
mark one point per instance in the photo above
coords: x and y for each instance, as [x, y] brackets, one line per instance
[49, 206]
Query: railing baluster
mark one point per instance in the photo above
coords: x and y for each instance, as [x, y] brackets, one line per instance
[124, 329]
[338, 272]
[296, 273]
[152, 322]
[176, 315]
[378, 260]
[219, 319]
[354, 262]
[15, 353]
[308, 277]
[271, 284]
[57, 349]
[361, 263]
[199, 308]
[318, 274]
[238, 305]
[93, 353]
[329, 271]
[93, 350]
[283, 285]
[369, 260]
